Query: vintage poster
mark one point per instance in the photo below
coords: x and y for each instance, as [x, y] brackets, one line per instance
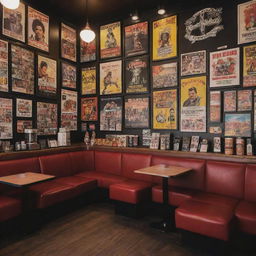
[165, 38]
[229, 101]
[215, 106]
[165, 75]
[111, 77]
[88, 80]
[6, 118]
[47, 118]
[244, 100]
[238, 125]
[68, 73]
[246, 22]
[69, 110]
[249, 66]
[193, 104]
[23, 76]
[68, 42]
[215, 130]
[136, 75]
[24, 124]
[137, 112]
[110, 40]
[38, 29]
[165, 109]
[87, 51]
[47, 76]
[193, 63]
[3, 66]
[136, 39]
[13, 22]
[23, 108]
[225, 68]
[111, 114]
[89, 109]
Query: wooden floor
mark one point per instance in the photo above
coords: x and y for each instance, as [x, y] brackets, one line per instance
[95, 230]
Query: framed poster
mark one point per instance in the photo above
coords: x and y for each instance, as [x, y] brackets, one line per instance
[249, 66]
[88, 80]
[38, 29]
[165, 109]
[111, 77]
[229, 101]
[136, 39]
[193, 104]
[87, 51]
[215, 106]
[110, 40]
[165, 38]
[6, 131]
[225, 68]
[23, 77]
[3, 66]
[136, 112]
[23, 108]
[89, 109]
[24, 124]
[13, 22]
[136, 75]
[111, 114]
[68, 75]
[244, 100]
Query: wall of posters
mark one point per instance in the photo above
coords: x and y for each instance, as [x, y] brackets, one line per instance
[23, 108]
[165, 38]
[68, 73]
[89, 109]
[3, 66]
[6, 118]
[111, 114]
[244, 100]
[87, 51]
[165, 109]
[249, 66]
[215, 106]
[225, 68]
[111, 77]
[88, 80]
[38, 29]
[229, 101]
[24, 124]
[193, 104]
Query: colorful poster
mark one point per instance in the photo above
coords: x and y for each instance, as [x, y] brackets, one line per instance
[111, 77]
[193, 104]
[23, 77]
[165, 109]
[165, 38]
[136, 75]
[68, 73]
[3, 66]
[215, 106]
[6, 118]
[87, 51]
[23, 108]
[225, 68]
[24, 124]
[229, 101]
[89, 109]
[38, 29]
[136, 39]
[249, 66]
[244, 100]
[110, 40]
[88, 80]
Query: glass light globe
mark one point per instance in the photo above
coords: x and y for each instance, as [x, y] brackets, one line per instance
[161, 11]
[87, 34]
[11, 4]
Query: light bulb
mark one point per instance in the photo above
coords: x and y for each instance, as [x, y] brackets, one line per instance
[161, 11]
[10, 4]
[87, 34]
[135, 17]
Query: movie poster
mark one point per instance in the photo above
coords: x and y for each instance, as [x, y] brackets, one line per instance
[193, 63]
[111, 77]
[136, 39]
[137, 112]
[249, 66]
[24, 124]
[87, 51]
[111, 114]
[215, 106]
[47, 118]
[229, 101]
[23, 77]
[165, 75]
[165, 109]
[165, 38]
[38, 29]
[193, 104]
[68, 73]
[3, 66]
[225, 68]
[23, 108]
[6, 119]
[88, 80]
[47, 76]
[110, 40]
[136, 75]
[244, 100]
[89, 109]
[69, 110]
[13, 22]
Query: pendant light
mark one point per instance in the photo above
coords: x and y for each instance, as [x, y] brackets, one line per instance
[10, 4]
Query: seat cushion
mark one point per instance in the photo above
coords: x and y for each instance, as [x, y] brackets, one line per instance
[9, 208]
[250, 183]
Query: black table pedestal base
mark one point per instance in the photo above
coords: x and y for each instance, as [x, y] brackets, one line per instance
[163, 226]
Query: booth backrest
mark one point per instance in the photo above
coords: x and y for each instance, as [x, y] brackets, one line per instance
[250, 183]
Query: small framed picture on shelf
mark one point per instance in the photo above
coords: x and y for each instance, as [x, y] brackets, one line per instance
[52, 143]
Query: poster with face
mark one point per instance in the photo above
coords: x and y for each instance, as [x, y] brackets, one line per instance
[3, 66]
[89, 109]
[24, 124]
[87, 51]
[68, 75]
[215, 106]
[38, 29]
[6, 118]
[229, 101]
[88, 80]
[244, 100]
[23, 108]
[249, 66]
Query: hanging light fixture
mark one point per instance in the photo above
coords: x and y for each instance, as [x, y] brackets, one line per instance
[134, 15]
[161, 10]
[10, 4]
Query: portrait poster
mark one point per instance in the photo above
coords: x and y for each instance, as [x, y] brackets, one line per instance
[23, 77]
[165, 109]
[249, 66]
[24, 124]
[165, 75]
[3, 66]
[111, 114]
[165, 38]
[69, 110]
[244, 100]
[13, 22]
[193, 63]
[47, 76]
[215, 106]
[47, 118]
[89, 109]
[38, 29]
[193, 104]
[68, 42]
[136, 75]
[246, 22]
[111, 77]
[6, 131]
[23, 108]
[225, 68]
[136, 39]
[68, 73]
[137, 112]
[229, 101]
[88, 80]
[87, 51]
[110, 40]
